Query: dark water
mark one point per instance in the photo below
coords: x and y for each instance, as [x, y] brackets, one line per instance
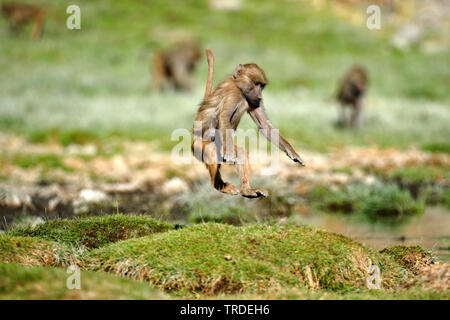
[430, 231]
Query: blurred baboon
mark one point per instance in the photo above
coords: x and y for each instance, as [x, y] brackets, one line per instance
[174, 68]
[20, 14]
[352, 88]
[219, 115]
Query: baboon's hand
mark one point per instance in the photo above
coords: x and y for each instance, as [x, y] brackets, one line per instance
[295, 157]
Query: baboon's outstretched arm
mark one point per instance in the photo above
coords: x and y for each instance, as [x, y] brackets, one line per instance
[272, 134]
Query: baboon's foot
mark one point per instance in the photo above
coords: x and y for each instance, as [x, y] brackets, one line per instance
[254, 193]
[228, 188]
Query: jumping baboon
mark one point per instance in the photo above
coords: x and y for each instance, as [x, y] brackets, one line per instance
[174, 68]
[219, 115]
[352, 88]
[20, 14]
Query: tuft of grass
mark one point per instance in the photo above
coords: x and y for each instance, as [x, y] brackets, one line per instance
[63, 136]
[343, 201]
[45, 283]
[34, 252]
[413, 258]
[94, 232]
[47, 161]
[390, 204]
[444, 198]
[420, 174]
[384, 203]
[428, 183]
[210, 259]
[443, 147]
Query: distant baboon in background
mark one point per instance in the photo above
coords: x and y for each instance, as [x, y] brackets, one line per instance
[174, 68]
[352, 88]
[20, 14]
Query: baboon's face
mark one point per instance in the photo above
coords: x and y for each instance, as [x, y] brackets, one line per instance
[251, 79]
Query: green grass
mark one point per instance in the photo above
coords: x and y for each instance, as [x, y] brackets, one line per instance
[64, 137]
[437, 147]
[92, 84]
[94, 232]
[46, 161]
[444, 198]
[390, 204]
[35, 252]
[44, 283]
[210, 259]
[420, 174]
[426, 183]
[382, 203]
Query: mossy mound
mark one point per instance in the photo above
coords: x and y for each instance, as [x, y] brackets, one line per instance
[94, 232]
[413, 258]
[212, 259]
[33, 252]
[36, 283]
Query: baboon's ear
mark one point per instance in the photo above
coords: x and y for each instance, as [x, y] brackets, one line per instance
[237, 71]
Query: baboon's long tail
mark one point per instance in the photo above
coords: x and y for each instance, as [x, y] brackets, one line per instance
[209, 82]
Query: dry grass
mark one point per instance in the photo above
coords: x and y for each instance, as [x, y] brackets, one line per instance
[35, 252]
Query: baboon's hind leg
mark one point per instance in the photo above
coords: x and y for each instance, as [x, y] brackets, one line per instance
[344, 122]
[355, 121]
[243, 169]
[211, 161]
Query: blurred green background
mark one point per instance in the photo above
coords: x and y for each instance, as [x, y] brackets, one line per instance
[93, 83]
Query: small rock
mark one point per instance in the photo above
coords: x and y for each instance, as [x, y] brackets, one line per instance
[37, 222]
[174, 186]
[228, 257]
[124, 187]
[93, 196]
[87, 150]
[15, 199]
[86, 197]
[370, 180]
[53, 203]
